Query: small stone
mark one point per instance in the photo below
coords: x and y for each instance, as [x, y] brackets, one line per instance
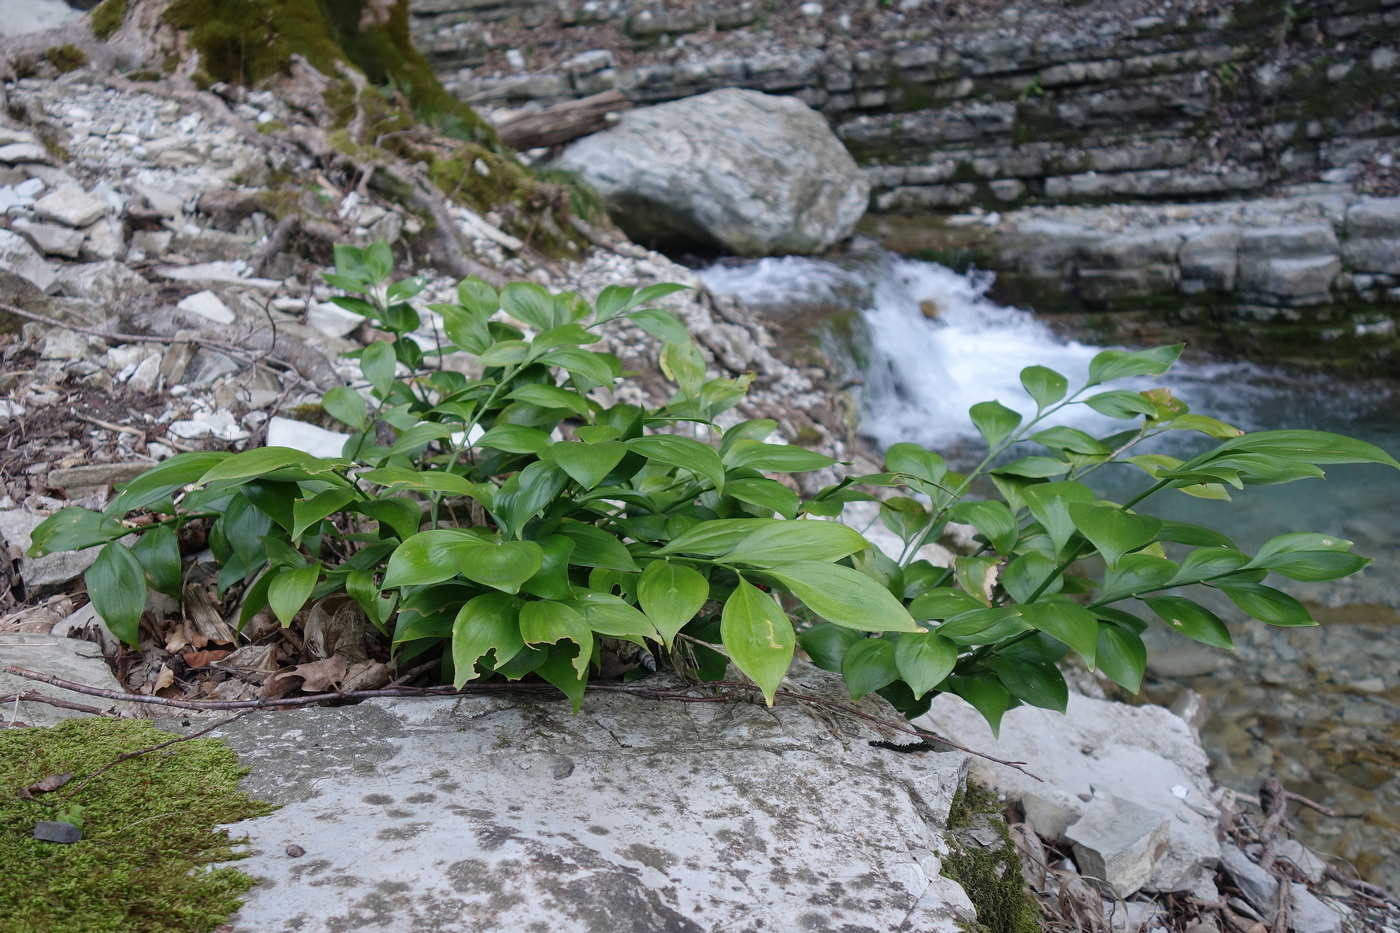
[57, 831]
[16, 153]
[15, 528]
[333, 320]
[317, 441]
[51, 239]
[1258, 886]
[206, 304]
[1311, 915]
[18, 257]
[70, 206]
[1119, 842]
[96, 474]
[190, 429]
[103, 240]
[146, 375]
[295, 851]
[1301, 858]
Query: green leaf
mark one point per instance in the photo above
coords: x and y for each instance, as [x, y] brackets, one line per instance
[562, 669]
[1049, 503]
[1044, 385]
[1309, 556]
[158, 551]
[551, 581]
[428, 481]
[1119, 364]
[307, 512]
[1066, 621]
[942, 603]
[913, 460]
[1113, 531]
[659, 290]
[548, 621]
[684, 452]
[402, 516]
[663, 325]
[1207, 563]
[160, 481]
[346, 405]
[466, 330]
[486, 624]
[983, 625]
[379, 261]
[612, 301]
[766, 494]
[826, 644]
[350, 262]
[271, 463]
[1072, 440]
[713, 538]
[429, 557]
[566, 335]
[290, 589]
[1304, 446]
[1211, 427]
[421, 435]
[924, 660]
[780, 458]
[974, 575]
[869, 665]
[529, 492]
[594, 547]
[501, 565]
[994, 421]
[1034, 467]
[993, 519]
[671, 594]
[844, 596]
[1191, 619]
[406, 289]
[587, 464]
[378, 362]
[1035, 683]
[987, 695]
[1135, 575]
[72, 529]
[1026, 573]
[582, 363]
[1121, 404]
[116, 584]
[530, 304]
[505, 353]
[1193, 535]
[805, 540]
[613, 617]
[1122, 657]
[758, 636]
[683, 364]
[478, 297]
[515, 439]
[1267, 604]
[552, 397]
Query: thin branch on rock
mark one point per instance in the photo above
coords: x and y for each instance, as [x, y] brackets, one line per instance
[684, 695]
[155, 748]
[34, 696]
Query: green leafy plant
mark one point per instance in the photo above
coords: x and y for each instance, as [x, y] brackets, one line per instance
[522, 522]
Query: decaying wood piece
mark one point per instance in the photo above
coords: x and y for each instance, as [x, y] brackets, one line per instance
[564, 122]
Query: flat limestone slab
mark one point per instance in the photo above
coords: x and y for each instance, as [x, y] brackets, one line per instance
[493, 813]
[68, 658]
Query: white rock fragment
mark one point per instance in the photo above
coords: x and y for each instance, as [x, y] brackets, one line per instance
[18, 257]
[51, 239]
[1119, 842]
[332, 319]
[208, 305]
[70, 206]
[17, 153]
[308, 438]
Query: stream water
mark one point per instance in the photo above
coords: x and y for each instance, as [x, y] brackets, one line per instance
[1317, 707]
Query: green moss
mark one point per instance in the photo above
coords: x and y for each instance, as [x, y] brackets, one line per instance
[66, 58]
[250, 41]
[271, 126]
[108, 18]
[149, 830]
[991, 878]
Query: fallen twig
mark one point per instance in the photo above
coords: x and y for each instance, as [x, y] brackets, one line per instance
[34, 696]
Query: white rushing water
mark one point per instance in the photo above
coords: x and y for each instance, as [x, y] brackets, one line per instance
[938, 345]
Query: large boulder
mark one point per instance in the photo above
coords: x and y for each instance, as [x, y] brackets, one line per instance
[509, 813]
[752, 174]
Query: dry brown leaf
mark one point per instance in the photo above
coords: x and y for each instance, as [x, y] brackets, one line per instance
[323, 675]
[367, 675]
[337, 625]
[251, 659]
[49, 784]
[206, 658]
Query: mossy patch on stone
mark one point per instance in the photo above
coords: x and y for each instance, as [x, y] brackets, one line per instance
[108, 18]
[66, 58]
[149, 831]
[991, 876]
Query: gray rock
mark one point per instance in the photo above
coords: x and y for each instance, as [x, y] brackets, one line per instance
[1116, 284]
[754, 174]
[65, 658]
[21, 259]
[1297, 240]
[1307, 279]
[633, 815]
[1372, 254]
[70, 206]
[1374, 217]
[96, 475]
[1119, 842]
[1311, 915]
[333, 319]
[207, 305]
[104, 240]
[49, 570]
[20, 153]
[1210, 257]
[1143, 754]
[1302, 858]
[107, 283]
[1131, 251]
[1258, 886]
[51, 239]
[57, 831]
